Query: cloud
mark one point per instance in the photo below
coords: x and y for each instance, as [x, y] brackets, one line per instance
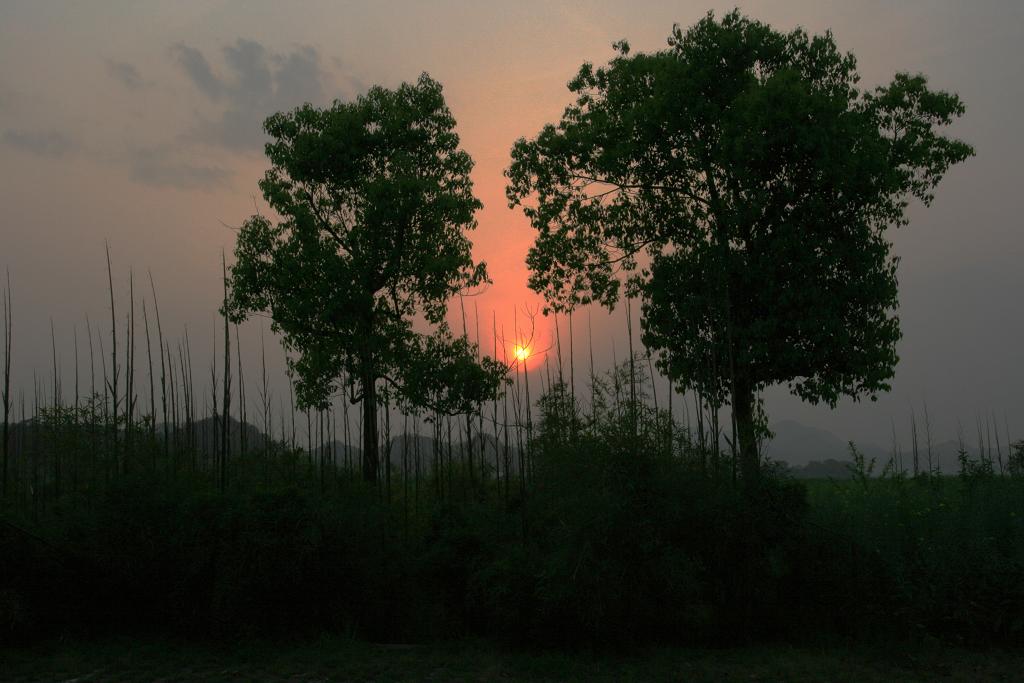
[126, 74]
[151, 168]
[44, 143]
[198, 70]
[256, 83]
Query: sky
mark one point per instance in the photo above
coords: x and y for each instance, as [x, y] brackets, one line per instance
[138, 125]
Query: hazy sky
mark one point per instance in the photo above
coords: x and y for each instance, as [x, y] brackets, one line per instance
[139, 123]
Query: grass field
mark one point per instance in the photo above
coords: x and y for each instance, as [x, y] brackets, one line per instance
[347, 660]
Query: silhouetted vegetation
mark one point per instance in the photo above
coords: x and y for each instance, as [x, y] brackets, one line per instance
[620, 533]
[741, 185]
[376, 201]
[588, 514]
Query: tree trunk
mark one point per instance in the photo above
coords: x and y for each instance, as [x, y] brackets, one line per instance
[743, 407]
[370, 445]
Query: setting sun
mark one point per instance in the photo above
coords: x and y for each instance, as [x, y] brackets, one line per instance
[521, 352]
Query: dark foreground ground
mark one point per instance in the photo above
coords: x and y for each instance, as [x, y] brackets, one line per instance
[346, 660]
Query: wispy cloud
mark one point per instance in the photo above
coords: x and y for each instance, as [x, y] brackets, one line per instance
[44, 143]
[126, 74]
[198, 70]
[256, 82]
[151, 167]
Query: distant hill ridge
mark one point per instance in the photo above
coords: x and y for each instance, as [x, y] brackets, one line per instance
[806, 451]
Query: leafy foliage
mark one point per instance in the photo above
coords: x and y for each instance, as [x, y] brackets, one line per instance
[375, 199]
[741, 184]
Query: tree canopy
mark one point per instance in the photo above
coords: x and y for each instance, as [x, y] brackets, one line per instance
[375, 201]
[741, 184]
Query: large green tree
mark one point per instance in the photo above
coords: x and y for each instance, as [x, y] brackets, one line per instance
[374, 200]
[742, 184]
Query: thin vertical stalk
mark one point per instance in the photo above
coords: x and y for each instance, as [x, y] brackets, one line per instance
[242, 417]
[76, 463]
[226, 412]
[173, 400]
[480, 406]
[897, 452]
[152, 380]
[999, 449]
[405, 475]
[593, 376]
[74, 337]
[56, 407]
[913, 438]
[346, 430]
[113, 381]
[188, 381]
[387, 445]
[291, 394]
[632, 372]
[469, 416]
[572, 365]
[265, 392]
[56, 372]
[494, 402]
[130, 369]
[928, 439]
[214, 399]
[93, 436]
[163, 369]
[8, 343]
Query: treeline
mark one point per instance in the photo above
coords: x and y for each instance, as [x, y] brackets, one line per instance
[134, 402]
[605, 522]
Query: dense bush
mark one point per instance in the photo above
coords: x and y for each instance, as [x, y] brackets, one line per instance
[622, 546]
[174, 558]
[950, 550]
[617, 538]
